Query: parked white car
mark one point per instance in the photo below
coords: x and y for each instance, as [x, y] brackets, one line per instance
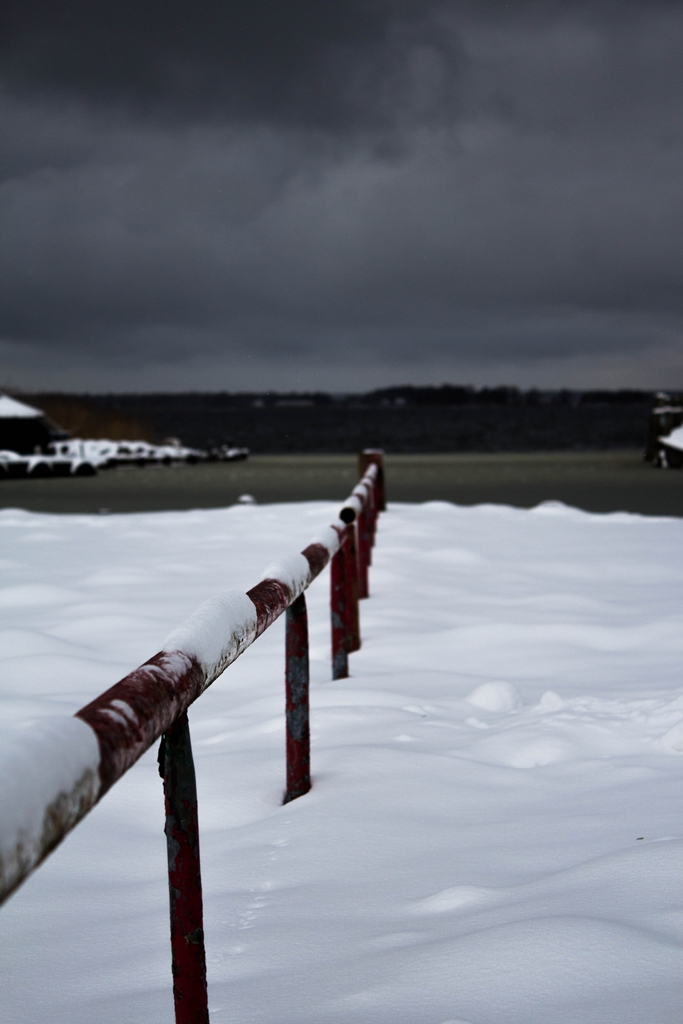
[12, 464]
[105, 453]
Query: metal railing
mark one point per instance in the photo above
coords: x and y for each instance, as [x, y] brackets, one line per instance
[64, 766]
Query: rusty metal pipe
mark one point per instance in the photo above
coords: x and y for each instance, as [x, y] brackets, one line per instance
[176, 768]
[369, 457]
[297, 714]
[339, 595]
[352, 590]
[364, 545]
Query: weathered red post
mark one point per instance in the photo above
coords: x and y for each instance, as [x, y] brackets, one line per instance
[176, 767]
[339, 598]
[364, 546]
[296, 679]
[352, 580]
[352, 574]
[368, 457]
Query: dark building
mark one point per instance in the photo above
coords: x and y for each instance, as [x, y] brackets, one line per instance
[24, 429]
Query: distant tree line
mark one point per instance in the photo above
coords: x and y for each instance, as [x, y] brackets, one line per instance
[406, 394]
[451, 394]
[449, 418]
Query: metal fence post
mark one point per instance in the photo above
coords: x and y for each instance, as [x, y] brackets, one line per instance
[352, 584]
[296, 679]
[372, 519]
[364, 543]
[339, 596]
[176, 768]
[366, 458]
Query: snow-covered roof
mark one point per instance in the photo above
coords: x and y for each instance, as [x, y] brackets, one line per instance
[10, 409]
[674, 439]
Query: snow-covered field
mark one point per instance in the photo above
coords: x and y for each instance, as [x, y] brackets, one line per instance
[495, 832]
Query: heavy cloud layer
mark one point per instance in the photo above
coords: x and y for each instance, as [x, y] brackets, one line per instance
[341, 195]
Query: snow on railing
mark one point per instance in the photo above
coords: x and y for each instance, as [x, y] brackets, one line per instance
[57, 769]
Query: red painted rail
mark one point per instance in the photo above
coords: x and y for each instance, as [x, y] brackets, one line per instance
[70, 763]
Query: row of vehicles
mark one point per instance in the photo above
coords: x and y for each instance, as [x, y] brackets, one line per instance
[32, 445]
[77, 457]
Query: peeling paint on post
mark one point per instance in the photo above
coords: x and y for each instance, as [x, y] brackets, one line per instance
[364, 547]
[352, 573]
[338, 600]
[297, 678]
[369, 457]
[176, 767]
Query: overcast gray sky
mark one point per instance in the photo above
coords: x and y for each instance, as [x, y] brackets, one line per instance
[340, 194]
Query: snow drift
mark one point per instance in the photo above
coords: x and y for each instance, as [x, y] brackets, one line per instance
[494, 831]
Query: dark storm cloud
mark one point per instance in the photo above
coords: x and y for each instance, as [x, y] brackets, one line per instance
[333, 194]
[312, 63]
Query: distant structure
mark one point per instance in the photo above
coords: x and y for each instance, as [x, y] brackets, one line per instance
[26, 430]
[666, 416]
[32, 445]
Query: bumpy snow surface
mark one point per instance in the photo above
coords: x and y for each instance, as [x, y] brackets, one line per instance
[495, 831]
